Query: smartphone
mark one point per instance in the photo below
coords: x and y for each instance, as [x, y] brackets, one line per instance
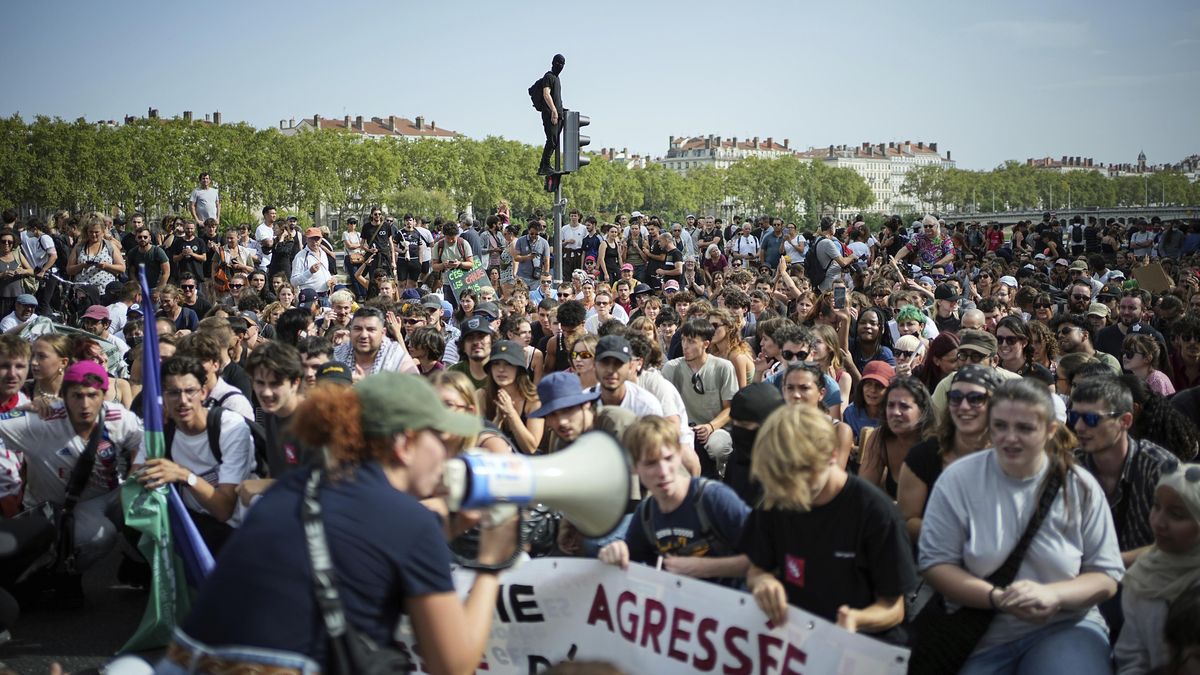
[839, 297]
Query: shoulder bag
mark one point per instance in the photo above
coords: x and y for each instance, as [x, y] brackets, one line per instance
[945, 640]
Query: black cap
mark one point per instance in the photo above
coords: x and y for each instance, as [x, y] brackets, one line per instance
[755, 402]
[641, 289]
[488, 308]
[614, 346]
[352, 220]
[945, 292]
[476, 324]
[509, 352]
[332, 371]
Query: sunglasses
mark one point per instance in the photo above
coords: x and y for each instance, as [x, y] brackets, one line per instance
[1129, 353]
[1008, 339]
[974, 399]
[1044, 306]
[793, 356]
[1090, 419]
[1081, 297]
[237, 286]
[188, 288]
[582, 355]
[697, 383]
[970, 355]
[904, 353]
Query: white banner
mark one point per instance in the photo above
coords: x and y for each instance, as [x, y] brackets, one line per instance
[649, 621]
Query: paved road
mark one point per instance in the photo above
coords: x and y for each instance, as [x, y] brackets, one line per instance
[78, 639]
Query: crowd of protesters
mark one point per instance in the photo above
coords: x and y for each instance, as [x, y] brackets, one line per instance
[857, 423]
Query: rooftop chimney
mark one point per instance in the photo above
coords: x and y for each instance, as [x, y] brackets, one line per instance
[433, 125]
[152, 113]
[624, 152]
[920, 145]
[670, 141]
[317, 121]
[420, 123]
[933, 147]
[866, 145]
[831, 150]
[347, 121]
[217, 118]
[187, 115]
[358, 122]
[735, 142]
[391, 125]
[281, 124]
[207, 117]
[756, 142]
[291, 122]
[770, 143]
[947, 155]
[785, 144]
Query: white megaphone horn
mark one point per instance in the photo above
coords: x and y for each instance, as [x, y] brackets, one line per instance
[588, 482]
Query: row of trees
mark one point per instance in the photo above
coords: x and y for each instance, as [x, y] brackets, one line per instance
[1015, 186]
[153, 165]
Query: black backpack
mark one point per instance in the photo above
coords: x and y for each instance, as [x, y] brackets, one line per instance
[813, 269]
[62, 249]
[717, 544]
[535, 95]
[1077, 233]
[257, 433]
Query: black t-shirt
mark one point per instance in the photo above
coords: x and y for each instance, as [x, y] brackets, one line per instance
[198, 246]
[411, 241]
[551, 80]
[201, 305]
[949, 324]
[285, 452]
[673, 260]
[379, 239]
[214, 245]
[385, 547]
[152, 259]
[925, 462]
[850, 551]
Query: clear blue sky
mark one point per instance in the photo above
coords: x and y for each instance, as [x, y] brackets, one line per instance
[987, 80]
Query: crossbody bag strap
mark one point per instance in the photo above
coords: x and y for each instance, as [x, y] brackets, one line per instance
[1008, 571]
[82, 470]
[324, 576]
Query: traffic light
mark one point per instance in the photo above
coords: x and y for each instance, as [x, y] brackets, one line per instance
[553, 181]
[573, 141]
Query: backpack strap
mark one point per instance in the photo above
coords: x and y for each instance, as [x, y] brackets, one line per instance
[213, 430]
[707, 531]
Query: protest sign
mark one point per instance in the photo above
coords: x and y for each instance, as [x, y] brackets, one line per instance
[476, 277]
[1152, 278]
[643, 620]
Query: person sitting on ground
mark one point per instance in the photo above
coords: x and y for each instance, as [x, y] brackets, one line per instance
[692, 524]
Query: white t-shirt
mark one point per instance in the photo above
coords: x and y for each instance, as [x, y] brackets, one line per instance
[637, 400]
[37, 249]
[118, 316]
[10, 322]
[206, 203]
[264, 231]
[426, 254]
[746, 245]
[192, 453]
[229, 396]
[592, 323]
[50, 449]
[670, 400]
[576, 233]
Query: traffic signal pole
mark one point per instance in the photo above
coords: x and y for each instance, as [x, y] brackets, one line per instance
[567, 160]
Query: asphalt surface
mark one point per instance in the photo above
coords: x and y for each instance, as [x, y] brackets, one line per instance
[81, 639]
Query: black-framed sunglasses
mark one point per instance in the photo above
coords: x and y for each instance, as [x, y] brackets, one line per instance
[970, 355]
[1092, 419]
[794, 356]
[237, 286]
[1008, 339]
[1130, 353]
[697, 383]
[904, 353]
[974, 399]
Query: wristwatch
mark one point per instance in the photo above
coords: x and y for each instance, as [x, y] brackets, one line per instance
[191, 480]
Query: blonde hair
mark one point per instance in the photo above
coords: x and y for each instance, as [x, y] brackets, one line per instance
[457, 382]
[648, 436]
[793, 445]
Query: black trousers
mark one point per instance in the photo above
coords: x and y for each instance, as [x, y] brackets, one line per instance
[551, 130]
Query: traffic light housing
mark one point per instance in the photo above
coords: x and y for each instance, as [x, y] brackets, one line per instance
[553, 181]
[573, 141]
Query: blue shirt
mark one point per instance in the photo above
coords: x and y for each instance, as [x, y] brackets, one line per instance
[858, 419]
[771, 246]
[385, 547]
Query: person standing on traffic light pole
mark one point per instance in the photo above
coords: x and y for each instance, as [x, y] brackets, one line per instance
[551, 112]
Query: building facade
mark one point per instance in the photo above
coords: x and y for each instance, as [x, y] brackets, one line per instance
[374, 127]
[686, 153]
[884, 166]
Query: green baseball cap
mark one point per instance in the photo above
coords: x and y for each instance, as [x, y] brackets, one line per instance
[395, 402]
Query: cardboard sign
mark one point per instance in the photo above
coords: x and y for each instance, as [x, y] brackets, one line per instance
[1152, 278]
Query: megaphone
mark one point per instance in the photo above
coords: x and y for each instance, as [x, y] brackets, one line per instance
[588, 481]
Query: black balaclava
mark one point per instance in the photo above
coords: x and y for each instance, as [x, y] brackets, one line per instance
[557, 63]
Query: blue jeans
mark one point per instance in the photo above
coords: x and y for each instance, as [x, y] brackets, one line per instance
[270, 657]
[1064, 647]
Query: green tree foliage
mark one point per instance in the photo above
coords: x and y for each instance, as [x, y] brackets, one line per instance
[153, 165]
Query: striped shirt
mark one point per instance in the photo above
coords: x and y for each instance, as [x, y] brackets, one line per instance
[1130, 502]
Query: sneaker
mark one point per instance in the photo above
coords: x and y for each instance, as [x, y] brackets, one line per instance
[545, 171]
